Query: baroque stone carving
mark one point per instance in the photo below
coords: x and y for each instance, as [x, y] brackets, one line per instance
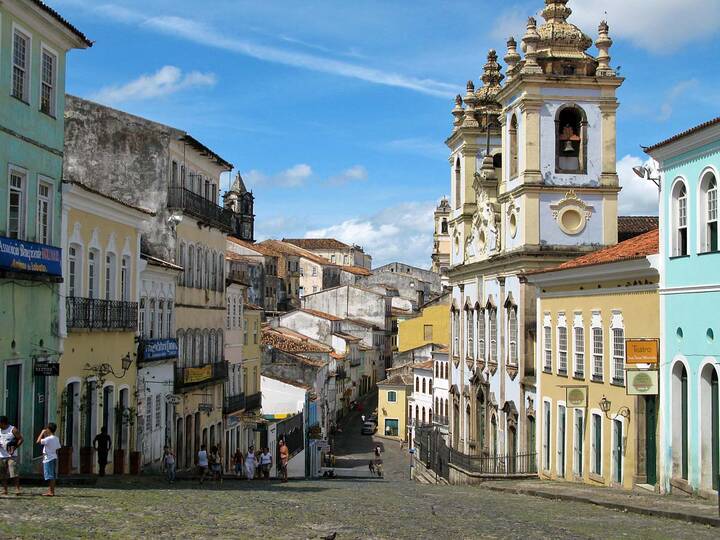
[571, 213]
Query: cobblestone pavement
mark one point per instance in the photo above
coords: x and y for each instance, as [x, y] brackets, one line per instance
[392, 508]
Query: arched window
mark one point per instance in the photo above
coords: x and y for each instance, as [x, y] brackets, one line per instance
[189, 270]
[430, 386]
[423, 415]
[110, 275]
[513, 142]
[221, 272]
[493, 335]
[710, 430]
[570, 140]
[199, 262]
[181, 346]
[497, 161]
[512, 336]
[481, 334]
[470, 331]
[93, 273]
[481, 418]
[423, 386]
[212, 350]
[213, 275]
[181, 262]
[417, 413]
[680, 435]
[458, 183]
[444, 226]
[708, 213]
[74, 262]
[198, 348]
[208, 267]
[679, 220]
[417, 384]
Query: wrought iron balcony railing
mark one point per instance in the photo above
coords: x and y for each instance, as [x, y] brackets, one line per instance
[93, 313]
[234, 403]
[253, 402]
[200, 208]
[189, 377]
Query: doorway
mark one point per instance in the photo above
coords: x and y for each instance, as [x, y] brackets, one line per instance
[650, 440]
[578, 443]
[617, 451]
[561, 441]
[13, 393]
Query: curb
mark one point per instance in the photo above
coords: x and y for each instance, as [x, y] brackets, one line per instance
[669, 514]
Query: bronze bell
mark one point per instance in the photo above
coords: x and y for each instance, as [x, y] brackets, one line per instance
[568, 146]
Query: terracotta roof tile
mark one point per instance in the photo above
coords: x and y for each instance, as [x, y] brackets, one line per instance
[291, 341]
[682, 134]
[635, 248]
[320, 314]
[347, 337]
[630, 226]
[317, 243]
[259, 248]
[396, 380]
[428, 364]
[63, 21]
[357, 270]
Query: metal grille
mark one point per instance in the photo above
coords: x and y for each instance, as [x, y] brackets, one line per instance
[94, 313]
[200, 207]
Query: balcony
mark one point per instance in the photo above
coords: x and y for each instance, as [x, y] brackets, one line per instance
[234, 403]
[439, 420]
[200, 208]
[190, 377]
[253, 402]
[96, 314]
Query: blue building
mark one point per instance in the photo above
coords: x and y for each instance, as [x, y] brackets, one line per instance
[690, 317]
[34, 40]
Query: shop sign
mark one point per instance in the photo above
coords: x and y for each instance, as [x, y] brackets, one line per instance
[197, 374]
[642, 382]
[29, 257]
[642, 351]
[173, 399]
[46, 369]
[205, 407]
[158, 349]
[576, 397]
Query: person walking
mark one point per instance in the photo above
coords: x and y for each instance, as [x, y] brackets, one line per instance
[238, 462]
[10, 440]
[202, 462]
[250, 463]
[284, 458]
[169, 464]
[378, 461]
[216, 464]
[266, 463]
[102, 444]
[50, 445]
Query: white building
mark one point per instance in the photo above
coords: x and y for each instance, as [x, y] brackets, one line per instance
[441, 389]
[420, 401]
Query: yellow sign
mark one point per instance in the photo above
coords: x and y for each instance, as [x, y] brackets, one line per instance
[642, 351]
[576, 397]
[197, 374]
[642, 382]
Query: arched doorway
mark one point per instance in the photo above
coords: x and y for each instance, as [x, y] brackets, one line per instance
[481, 410]
[679, 421]
[456, 423]
[709, 431]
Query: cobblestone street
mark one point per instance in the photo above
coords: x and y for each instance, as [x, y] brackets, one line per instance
[394, 507]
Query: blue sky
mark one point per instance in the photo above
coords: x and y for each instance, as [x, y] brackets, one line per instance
[335, 113]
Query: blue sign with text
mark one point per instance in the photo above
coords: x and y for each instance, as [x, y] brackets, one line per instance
[24, 256]
[157, 349]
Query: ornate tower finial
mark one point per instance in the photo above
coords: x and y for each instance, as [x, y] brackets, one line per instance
[491, 76]
[512, 57]
[458, 112]
[530, 41]
[556, 11]
[470, 87]
[470, 102]
[603, 43]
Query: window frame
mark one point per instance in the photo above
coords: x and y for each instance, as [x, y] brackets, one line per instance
[392, 396]
[44, 181]
[23, 175]
[578, 347]
[481, 334]
[617, 325]
[513, 336]
[93, 288]
[46, 49]
[704, 211]
[597, 352]
[27, 69]
[678, 210]
[562, 344]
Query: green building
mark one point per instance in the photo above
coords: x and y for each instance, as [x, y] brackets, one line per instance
[34, 40]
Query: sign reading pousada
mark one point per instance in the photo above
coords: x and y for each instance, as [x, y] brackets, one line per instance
[641, 351]
[576, 397]
[642, 382]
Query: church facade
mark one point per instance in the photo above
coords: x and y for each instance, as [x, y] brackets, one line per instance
[533, 184]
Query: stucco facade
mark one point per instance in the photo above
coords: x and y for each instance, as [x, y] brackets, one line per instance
[392, 406]
[431, 326]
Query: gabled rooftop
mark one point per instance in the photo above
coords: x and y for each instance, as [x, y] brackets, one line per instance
[317, 243]
[291, 341]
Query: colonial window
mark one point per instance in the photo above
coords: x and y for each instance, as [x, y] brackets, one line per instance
[125, 278]
[213, 274]
[245, 332]
[481, 334]
[562, 345]
[141, 322]
[158, 405]
[21, 66]
[199, 263]
[513, 133]
[444, 226]
[512, 336]
[469, 325]
[149, 414]
[189, 270]
[73, 270]
[429, 386]
[221, 272]
[391, 396]
[493, 336]
[16, 207]
[547, 342]
[546, 436]
[219, 345]
[110, 276]
[570, 143]
[456, 331]
[679, 219]
[427, 332]
[578, 442]
[618, 348]
[93, 277]
[424, 386]
[44, 213]
[168, 318]
[47, 82]
[597, 347]
[161, 319]
[151, 319]
[227, 314]
[579, 332]
[458, 183]
[709, 213]
[181, 347]
[596, 445]
[181, 262]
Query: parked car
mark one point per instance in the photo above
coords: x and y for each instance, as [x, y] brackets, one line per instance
[368, 428]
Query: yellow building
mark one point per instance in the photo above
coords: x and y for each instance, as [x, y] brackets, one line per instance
[432, 326]
[101, 244]
[590, 430]
[392, 406]
[251, 372]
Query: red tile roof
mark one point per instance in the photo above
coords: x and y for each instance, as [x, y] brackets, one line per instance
[317, 243]
[286, 248]
[629, 226]
[346, 336]
[427, 364]
[682, 134]
[635, 248]
[357, 270]
[291, 341]
[320, 314]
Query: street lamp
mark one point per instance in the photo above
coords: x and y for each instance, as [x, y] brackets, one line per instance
[605, 405]
[644, 172]
[101, 371]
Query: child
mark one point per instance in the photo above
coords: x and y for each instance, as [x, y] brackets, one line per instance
[50, 444]
[169, 464]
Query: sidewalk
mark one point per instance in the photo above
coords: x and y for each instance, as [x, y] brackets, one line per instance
[683, 508]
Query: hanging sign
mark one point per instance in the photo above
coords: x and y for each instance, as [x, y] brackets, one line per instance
[642, 382]
[576, 397]
[173, 399]
[29, 257]
[197, 374]
[46, 369]
[642, 351]
[158, 349]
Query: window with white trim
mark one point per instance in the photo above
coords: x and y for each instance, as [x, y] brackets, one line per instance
[48, 77]
[562, 345]
[21, 66]
[512, 336]
[481, 334]
[493, 336]
[598, 353]
[168, 318]
[161, 319]
[93, 277]
[190, 270]
[618, 335]
[141, 322]
[109, 276]
[596, 444]
[125, 278]
[470, 341]
[151, 319]
[43, 229]
[679, 220]
[579, 339]
[547, 344]
[73, 270]
[456, 332]
[709, 213]
[16, 204]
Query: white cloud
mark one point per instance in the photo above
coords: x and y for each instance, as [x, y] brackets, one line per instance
[402, 232]
[165, 81]
[678, 90]
[356, 173]
[294, 176]
[659, 26]
[638, 197]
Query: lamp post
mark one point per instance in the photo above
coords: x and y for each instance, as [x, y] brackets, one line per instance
[644, 172]
[605, 404]
[101, 371]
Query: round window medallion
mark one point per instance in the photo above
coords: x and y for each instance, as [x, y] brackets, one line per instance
[571, 220]
[513, 225]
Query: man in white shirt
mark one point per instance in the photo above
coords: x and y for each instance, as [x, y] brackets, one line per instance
[202, 461]
[50, 444]
[10, 441]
